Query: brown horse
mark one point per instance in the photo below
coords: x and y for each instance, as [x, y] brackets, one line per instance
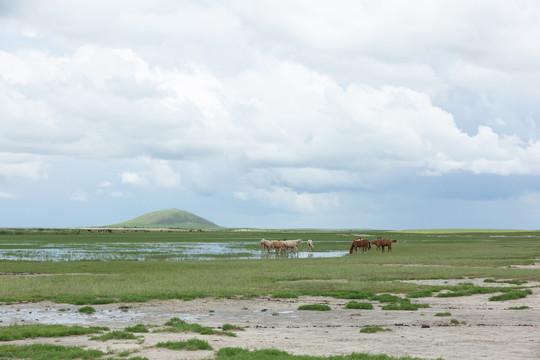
[360, 243]
[382, 243]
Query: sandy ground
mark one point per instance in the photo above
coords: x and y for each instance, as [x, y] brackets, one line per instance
[487, 329]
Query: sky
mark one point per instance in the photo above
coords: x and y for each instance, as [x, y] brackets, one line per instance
[271, 114]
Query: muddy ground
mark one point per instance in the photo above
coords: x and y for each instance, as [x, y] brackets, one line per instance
[485, 329]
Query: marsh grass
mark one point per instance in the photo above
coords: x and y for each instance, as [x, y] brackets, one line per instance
[178, 325]
[523, 307]
[272, 354]
[139, 328]
[511, 295]
[427, 256]
[88, 310]
[47, 351]
[359, 305]
[20, 332]
[190, 345]
[115, 335]
[230, 327]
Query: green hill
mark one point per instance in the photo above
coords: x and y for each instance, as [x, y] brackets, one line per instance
[170, 218]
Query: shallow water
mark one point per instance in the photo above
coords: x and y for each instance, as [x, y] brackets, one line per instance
[170, 251]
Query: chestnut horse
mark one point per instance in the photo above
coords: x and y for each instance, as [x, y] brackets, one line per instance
[360, 243]
[381, 243]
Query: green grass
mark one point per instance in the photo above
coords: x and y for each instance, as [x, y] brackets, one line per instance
[373, 329]
[115, 335]
[88, 310]
[523, 307]
[191, 345]
[404, 307]
[139, 328]
[178, 325]
[315, 307]
[271, 354]
[438, 256]
[230, 327]
[20, 332]
[359, 305]
[511, 295]
[47, 352]
[443, 314]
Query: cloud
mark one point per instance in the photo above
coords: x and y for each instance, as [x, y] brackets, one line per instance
[131, 178]
[286, 105]
[286, 200]
[5, 195]
[23, 167]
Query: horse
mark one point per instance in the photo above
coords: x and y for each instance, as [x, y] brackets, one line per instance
[278, 246]
[266, 244]
[292, 244]
[310, 244]
[365, 245]
[382, 243]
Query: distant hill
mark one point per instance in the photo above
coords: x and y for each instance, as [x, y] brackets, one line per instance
[170, 218]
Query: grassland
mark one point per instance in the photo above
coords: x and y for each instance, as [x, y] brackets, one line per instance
[415, 256]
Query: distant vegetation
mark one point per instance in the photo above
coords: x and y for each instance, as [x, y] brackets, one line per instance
[168, 219]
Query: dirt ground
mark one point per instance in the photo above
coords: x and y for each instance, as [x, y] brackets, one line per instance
[486, 329]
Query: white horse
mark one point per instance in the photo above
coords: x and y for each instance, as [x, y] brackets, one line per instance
[310, 244]
[292, 244]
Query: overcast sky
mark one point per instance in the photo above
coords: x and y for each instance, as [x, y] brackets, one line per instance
[271, 114]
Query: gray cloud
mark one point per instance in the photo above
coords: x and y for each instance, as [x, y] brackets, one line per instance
[296, 111]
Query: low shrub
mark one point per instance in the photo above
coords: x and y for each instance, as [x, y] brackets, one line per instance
[316, 307]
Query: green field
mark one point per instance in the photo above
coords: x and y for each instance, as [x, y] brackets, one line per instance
[414, 256]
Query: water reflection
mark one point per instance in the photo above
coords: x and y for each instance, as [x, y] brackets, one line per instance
[171, 251]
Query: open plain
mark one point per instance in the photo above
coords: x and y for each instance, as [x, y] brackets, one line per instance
[264, 303]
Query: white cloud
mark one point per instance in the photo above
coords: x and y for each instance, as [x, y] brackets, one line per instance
[106, 184]
[22, 167]
[5, 195]
[275, 102]
[131, 178]
[287, 200]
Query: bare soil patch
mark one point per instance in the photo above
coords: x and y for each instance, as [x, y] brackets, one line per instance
[486, 329]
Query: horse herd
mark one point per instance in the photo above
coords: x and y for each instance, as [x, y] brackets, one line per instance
[365, 245]
[284, 246]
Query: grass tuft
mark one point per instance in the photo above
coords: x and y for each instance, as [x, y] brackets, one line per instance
[47, 351]
[88, 310]
[315, 307]
[191, 345]
[358, 305]
[443, 314]
[20, 332]
[139, 328]
[115, 335]
[511, 295]
[373, 329]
